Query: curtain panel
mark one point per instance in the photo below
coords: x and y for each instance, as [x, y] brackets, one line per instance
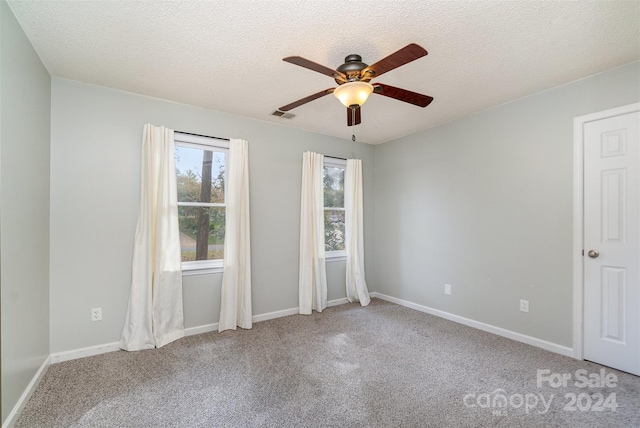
[354, 236]
[312, 274]
[155, 312]
[235, 301]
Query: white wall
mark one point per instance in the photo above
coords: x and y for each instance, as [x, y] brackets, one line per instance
[24, 197]
[485, 204]
[95, 154]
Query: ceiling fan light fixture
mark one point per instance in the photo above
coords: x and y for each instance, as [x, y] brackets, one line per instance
[353, 93]
[353, 79]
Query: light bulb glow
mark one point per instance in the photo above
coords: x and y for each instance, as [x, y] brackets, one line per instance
[353, 93]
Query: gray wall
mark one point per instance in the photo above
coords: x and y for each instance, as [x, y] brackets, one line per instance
[95, 155]
[485, 204]
[24, 194]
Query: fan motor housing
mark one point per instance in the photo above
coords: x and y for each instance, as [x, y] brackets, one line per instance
[352, 67]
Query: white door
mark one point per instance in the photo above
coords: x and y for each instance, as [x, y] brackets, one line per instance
[612, 242]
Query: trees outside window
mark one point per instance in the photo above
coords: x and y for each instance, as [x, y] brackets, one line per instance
[334, 215]
[200, 179]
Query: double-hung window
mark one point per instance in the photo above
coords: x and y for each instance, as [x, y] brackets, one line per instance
[334, 215]
[200, 177]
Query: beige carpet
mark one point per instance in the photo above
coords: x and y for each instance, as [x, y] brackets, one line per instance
[379, 366]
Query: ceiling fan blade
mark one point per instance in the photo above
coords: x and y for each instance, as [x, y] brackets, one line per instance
[306, 99]
[403, 56]
[302, 62]
[354, 117]
[402, 95]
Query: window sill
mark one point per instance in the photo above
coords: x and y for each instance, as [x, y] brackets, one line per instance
[193, 272]
[335, 256]
[204, 267]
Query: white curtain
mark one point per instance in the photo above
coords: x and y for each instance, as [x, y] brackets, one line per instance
[154, 316]
[235, 302]
[354, 241]
[313, 274]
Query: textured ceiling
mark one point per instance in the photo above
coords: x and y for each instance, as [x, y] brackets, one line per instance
[227, 55]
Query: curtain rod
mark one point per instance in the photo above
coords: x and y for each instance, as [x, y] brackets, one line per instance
[335, 157]
[206, 136]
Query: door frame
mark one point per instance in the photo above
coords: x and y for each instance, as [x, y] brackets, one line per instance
[578, 217]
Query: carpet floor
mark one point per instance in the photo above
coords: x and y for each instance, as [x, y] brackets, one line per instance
[379, 366]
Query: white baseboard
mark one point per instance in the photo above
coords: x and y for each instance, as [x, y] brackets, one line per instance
[293, 311]
[549, 346]
[206, 328]
[337, 302]
[89, 351]
[26, 395]
[275, 314]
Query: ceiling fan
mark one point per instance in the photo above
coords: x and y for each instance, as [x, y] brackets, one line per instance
[353, 79]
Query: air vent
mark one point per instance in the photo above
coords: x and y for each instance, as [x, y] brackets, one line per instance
[283, 114]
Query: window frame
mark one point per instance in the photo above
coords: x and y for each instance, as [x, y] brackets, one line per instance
[330, 162]
[201, 267]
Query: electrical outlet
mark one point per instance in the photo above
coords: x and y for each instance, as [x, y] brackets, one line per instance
[447, 289]
[96, 314]
[524, 306]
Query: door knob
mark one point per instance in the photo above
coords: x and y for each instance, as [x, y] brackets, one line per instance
[593, 254]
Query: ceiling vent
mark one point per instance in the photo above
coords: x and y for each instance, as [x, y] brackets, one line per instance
[283, 115]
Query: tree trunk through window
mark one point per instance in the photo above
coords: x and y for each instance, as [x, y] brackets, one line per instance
[202, 245]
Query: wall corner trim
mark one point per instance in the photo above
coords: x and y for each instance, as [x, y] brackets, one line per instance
[519, 337]
[26, 395]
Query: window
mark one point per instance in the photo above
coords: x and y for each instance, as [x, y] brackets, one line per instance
[200, 177]
[334, 215]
